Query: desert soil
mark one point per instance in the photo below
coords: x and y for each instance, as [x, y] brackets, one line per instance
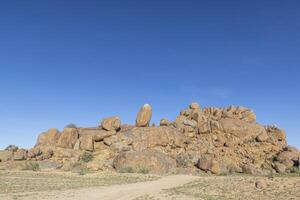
[111, 186]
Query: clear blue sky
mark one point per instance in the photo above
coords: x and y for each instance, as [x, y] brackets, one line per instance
[79, 61]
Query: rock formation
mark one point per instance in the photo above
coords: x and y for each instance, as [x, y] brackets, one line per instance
[144, 116]
[111, 123]
[214, 140]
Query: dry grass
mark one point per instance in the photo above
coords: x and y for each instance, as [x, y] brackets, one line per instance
[31, 185]
[30, 182]
[237, 187]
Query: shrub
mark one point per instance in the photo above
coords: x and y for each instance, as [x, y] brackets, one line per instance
[34, 166]
[143, 170]
[295, 170]
[182, 160]
[126, 169]
[83, 171]
[87, 157]
[71, 125]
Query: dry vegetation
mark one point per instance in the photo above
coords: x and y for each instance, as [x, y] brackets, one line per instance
[237, 187]
[33, 185]
[20, 183]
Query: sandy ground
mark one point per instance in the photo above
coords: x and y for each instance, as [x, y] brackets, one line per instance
[114, 192]
[29, 186]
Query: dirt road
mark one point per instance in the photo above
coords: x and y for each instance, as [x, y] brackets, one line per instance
[123, 191]
[114, 186]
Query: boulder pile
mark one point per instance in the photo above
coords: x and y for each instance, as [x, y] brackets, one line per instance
[213, 140]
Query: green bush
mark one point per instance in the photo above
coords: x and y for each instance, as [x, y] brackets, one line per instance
[126, 169]
[295, 170]
[34, 166]
[87, 157]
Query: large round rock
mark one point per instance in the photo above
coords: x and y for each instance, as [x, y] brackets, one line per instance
[144, 116]
[68, 138]
[111, 123]
[147, 160]
[48, 138]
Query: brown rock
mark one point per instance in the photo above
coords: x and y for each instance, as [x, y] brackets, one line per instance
[260, 185]
[68, 138]
[219, 142]
[150, 137]
[87, 142]
[213, 113]
[215, 167]
[152, 161]
[144, 116]
[243, 130]
[280, 168]
[98, 134]
[179, 122]
[20, 154]
[48, 138]
[98, 146]
[288, 158]
[49, 165]
[47, 153]
[229, 144]
[195, 106]
[119, 147]
[190, 123]
[287, 155]
[111, 123]
[204, 127]
[276, 132]
[251, 169]
[164, 122]
[5, 155]
[34, 152]
[250, 147]
[65, 154]
[215, 125]
[197, 115]
[77, 145]
[100, 160]
[280, 135]
[208, 164]
[104, 134]
[249, 116]
[263, 137]
[110, 140]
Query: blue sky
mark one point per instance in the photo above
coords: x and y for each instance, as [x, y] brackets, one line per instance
[79, 61]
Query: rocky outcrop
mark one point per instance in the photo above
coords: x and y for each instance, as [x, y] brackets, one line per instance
[20, 154]
[209, 164]
[153, 137]
[146, 160]
[164, 122]
[111, 123]
[68, 138]
[214, 140]
[5, 155]
[288, 158]
[48, 138]
[144, 116]
[243, 131]
[86, 142]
